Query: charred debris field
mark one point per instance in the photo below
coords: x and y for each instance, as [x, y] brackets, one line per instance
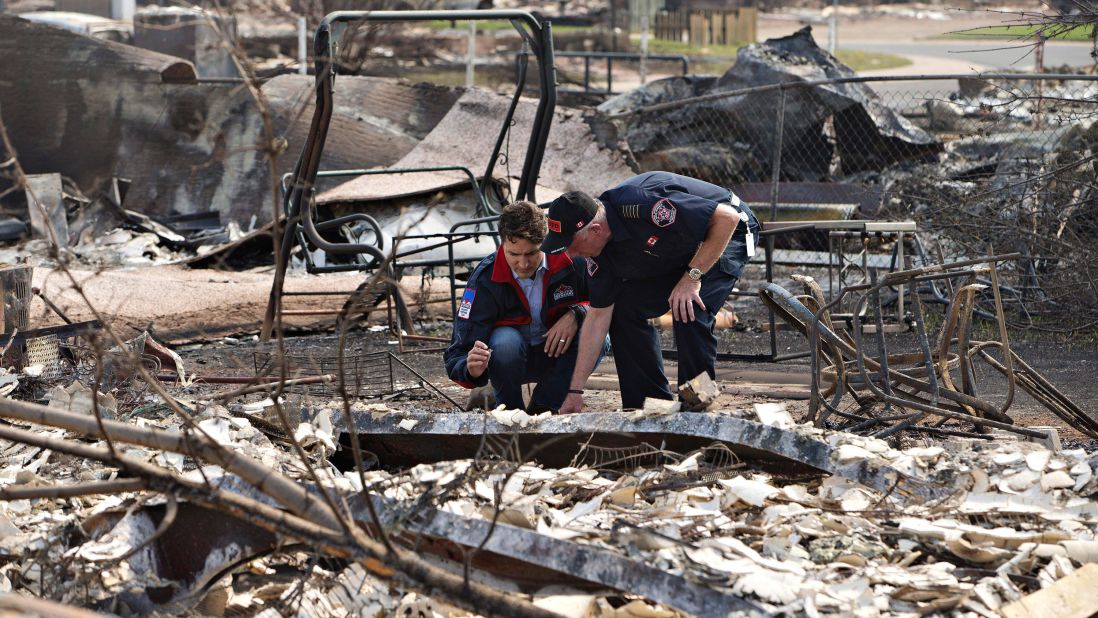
[901, 421]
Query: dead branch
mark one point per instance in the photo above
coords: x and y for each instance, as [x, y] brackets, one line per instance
[373, 555]
[285, 491]
[42, 607]
[95, 488]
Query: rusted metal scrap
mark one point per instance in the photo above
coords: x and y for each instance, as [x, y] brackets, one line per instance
[904, 391]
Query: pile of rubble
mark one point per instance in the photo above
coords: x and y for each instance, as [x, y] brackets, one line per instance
[736, 527]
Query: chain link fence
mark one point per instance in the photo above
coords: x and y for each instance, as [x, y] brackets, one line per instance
[1001, 163]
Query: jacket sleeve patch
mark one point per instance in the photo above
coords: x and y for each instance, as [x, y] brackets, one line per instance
[664, 213]
[466, 306]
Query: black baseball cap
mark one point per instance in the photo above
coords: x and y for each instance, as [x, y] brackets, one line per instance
[568, 214]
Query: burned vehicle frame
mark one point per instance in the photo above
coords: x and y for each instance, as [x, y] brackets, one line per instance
[300, 190]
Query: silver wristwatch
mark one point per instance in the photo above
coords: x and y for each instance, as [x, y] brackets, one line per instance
[695, 274]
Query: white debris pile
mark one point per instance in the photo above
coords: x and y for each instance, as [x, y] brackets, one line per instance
[43, 542]
[1021, 519]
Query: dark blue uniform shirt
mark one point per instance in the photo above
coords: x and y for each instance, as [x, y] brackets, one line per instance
[657, 220]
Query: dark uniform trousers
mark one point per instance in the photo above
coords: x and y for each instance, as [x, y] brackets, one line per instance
[636, 343]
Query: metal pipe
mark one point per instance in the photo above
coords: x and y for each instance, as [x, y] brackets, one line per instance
[543, 117]
[522, 61]
[302, 41]
[775, 175]
[270, 386]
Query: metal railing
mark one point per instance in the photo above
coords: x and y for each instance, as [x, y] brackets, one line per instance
[610, 57]
[298, 199]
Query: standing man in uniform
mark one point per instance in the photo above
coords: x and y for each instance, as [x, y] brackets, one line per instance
[519, 316]
[656, 241]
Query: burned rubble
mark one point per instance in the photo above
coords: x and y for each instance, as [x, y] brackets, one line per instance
[829, 130]
[721, 528]
[983, 186]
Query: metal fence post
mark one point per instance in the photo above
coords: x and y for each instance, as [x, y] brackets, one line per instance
[302, 50]
[775, 173]
[471, 58]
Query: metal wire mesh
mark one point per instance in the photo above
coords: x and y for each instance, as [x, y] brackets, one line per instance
[364, 375]
[46, 351]
[623, 457]
[15, 283]
[1007, 163]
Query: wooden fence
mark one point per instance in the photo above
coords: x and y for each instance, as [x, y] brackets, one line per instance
[708, 27]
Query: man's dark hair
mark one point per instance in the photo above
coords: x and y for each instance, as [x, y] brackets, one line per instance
[522, 221]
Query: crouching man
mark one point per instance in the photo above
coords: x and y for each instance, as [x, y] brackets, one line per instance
[520, 316]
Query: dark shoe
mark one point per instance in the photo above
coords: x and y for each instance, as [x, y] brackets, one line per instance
[481, 397]
[537, 408]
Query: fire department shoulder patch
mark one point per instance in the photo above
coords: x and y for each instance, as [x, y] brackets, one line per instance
[663, 213]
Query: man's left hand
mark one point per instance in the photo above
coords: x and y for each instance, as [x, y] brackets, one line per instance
[561, 335]
[686, 293]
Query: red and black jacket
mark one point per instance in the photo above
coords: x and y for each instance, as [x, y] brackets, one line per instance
[493, 298]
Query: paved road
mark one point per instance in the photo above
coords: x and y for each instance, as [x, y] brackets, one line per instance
[984, 55]
[960, 57]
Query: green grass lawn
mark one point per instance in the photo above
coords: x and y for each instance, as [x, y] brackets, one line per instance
[717, 58]
[703, 59]
[870, 61]
[660, 46]
[1062, 33]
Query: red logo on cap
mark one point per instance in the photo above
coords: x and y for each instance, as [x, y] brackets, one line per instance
[579, 224]
[554, 225]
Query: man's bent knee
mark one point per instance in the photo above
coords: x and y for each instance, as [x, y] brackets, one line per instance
[507, 345]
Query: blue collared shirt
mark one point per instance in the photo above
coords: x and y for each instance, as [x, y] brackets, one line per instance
[533, 289]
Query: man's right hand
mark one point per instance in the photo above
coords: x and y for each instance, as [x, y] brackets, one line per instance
[572, 403]
[476, 361]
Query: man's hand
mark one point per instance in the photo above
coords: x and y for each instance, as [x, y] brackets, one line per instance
[476, 361]
[572, 403]
[682, 299]
[561, 335]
